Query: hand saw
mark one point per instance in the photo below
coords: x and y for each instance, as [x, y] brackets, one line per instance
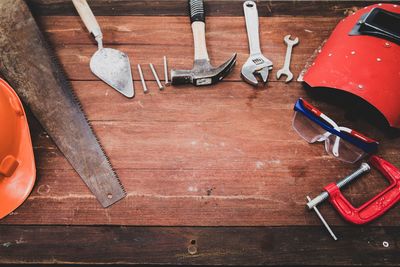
[28, 64]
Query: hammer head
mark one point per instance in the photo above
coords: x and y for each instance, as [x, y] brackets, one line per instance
[203, 73]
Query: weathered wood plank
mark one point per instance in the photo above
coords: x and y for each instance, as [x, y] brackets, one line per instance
[272, 246]
[198, 157]
[215, 157]
[206, 198]
[213, 7]
[146, 40]
[174, 32]
[229, 124]
[224, 155]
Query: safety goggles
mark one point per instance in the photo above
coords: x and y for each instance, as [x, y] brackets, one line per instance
[341, 142]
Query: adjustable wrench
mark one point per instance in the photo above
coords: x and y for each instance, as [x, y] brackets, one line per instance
[285, 70]
[256, 64]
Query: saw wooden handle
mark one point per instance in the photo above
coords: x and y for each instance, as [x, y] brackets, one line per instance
[88, 17]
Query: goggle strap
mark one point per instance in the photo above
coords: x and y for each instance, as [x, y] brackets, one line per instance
[335, 148]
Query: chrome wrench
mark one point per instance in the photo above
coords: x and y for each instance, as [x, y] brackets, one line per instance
[286, 66]
[256, 64]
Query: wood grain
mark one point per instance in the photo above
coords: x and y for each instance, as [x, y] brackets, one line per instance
[220, 156]
[147, 41]
[239, 246]
[212, 7]
[223, 156]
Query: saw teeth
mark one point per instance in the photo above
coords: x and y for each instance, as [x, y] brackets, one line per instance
[95, 170]
[62, 76]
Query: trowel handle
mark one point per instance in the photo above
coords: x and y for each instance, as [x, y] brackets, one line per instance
[88, 18]
[197, 19]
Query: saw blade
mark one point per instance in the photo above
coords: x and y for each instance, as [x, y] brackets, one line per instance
[29, 66]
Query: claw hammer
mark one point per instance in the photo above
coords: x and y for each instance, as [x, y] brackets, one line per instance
[202, 73]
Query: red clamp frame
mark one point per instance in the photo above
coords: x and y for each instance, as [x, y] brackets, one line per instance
[374, 207]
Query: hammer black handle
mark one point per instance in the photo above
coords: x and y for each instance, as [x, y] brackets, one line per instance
[196, 11]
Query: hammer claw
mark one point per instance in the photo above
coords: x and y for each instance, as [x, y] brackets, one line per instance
[226, 68]
[203, 73]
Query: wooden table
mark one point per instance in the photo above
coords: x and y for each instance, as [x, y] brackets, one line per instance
[213, 175]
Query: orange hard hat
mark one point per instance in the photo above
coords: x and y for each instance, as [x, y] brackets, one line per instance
[17, 164]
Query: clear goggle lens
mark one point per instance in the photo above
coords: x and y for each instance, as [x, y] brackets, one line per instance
[310, 131]
[334, 145]
[342, 149]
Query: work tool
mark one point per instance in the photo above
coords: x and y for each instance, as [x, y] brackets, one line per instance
[286, 66]
[33, 71]
[153, 70]
[142, 79]
[17, 162]
[166, 71]
[373, 208]
[362, 51]
[110, 65]
[312, 203]
[257, 64]
[203, 73]
[325, 195]
[323, 220]
[341, 142]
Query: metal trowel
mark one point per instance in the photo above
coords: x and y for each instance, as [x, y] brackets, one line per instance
[110, 65]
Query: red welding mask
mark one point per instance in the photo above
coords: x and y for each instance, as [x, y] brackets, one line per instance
[362, 57]
[17, 164]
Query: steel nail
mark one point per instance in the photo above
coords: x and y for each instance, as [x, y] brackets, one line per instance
[166, 71]
[142, 79]
[153, 70]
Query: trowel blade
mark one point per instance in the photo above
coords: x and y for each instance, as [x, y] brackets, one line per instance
[113, 67]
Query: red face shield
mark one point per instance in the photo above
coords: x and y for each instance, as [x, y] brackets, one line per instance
[362, 57]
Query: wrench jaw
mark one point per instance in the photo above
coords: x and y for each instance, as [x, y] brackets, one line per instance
[286, 65]
[290, 41]
[289, 78]
[249, 77]
[289, 75]
[253, 68]
[264, 74]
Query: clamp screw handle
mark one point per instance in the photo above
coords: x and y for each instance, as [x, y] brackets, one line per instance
[324, 195]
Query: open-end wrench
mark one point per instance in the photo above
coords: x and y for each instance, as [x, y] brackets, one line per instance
[256, 64]
[286, 66]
